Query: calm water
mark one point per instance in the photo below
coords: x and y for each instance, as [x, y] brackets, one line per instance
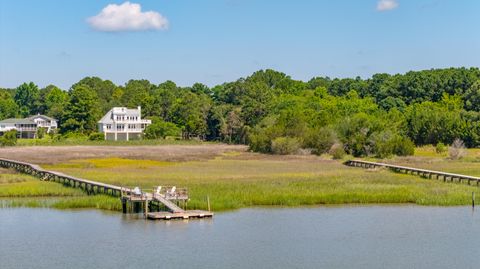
[332, 237]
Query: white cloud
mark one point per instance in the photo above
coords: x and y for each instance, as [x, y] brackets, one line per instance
[127, 17]
[384, 5]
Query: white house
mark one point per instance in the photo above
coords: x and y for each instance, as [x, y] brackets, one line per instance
[121, 123]
[43, 121]
[27, 128]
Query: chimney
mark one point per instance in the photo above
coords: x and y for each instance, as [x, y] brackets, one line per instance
[139, 110]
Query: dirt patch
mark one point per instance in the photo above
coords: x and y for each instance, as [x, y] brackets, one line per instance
[59, 154]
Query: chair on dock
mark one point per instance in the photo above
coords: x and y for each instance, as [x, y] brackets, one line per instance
[137, 191]
[171, 192]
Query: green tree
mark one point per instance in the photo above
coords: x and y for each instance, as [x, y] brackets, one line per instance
[82, 111]
[53, 101]
[8, 107]
[27, 99]
[190, 112]
[472, 97]
[161, 129]
[108, 93]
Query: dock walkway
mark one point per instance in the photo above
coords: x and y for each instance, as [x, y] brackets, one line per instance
[92, 187]
[421, 172]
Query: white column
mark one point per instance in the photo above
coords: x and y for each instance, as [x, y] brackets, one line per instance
[127, 135]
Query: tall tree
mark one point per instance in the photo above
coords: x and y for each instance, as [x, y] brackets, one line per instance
[82, 112]
[8, 107]
[27, 99]
[55, 102]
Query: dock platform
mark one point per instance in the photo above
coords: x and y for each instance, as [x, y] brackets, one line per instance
[179, 215]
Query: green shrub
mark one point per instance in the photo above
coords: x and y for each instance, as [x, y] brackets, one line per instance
[320, 140]
[285, 145]
[259, 141]
[9, 139]
[41, 132]
[440, 148]
[403, 146]
[96, 137]
[161, 129]
[337, 151]
[387, 144]
[75, 136]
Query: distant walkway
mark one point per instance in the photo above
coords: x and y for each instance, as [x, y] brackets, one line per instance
[421, 172]
[92, 187]
[88, 185]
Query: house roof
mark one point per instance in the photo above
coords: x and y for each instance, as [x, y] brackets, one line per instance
[41, 116]
[18, 121]
[107, 118]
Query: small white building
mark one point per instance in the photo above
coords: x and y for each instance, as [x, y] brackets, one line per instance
[121, 123]
[28, 127]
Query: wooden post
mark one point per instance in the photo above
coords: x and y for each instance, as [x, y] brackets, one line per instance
[208, 203]
[124, 205]
[473, 199]
[146, 207]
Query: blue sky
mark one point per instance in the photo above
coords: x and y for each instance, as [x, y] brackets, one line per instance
[213, 41]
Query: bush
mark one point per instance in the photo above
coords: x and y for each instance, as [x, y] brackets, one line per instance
[285, 145]
[387, 144]
[403, 146]
[337, 151]
[320, 140]
[41, 132]
[260, 142]
[440, 148]
[457, 150]
[72, 137]
[161, 129]
[9, 138]
[96, 137]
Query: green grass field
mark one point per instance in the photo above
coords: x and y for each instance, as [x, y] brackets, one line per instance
[241, 179]
[18, 190]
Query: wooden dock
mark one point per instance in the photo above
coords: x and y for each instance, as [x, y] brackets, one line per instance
[126, 195]
[417, 171]
[179, 215]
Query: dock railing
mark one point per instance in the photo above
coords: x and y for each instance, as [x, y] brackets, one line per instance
[452, 177]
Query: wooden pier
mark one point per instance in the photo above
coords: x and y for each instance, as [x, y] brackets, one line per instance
[160, 197]
[451, 177]
[180, 215]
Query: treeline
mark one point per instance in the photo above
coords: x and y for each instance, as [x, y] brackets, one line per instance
[273, 113]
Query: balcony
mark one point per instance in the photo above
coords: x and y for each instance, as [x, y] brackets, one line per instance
[26, 129]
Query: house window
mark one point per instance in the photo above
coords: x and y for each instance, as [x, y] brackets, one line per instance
[109, 126]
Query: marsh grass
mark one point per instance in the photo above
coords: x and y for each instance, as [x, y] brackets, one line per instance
[233, 181]
[47, 141]
[236, 180]
[18, 190]
[93, 201]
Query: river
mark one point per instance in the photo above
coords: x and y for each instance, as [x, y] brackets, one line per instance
[320, 237]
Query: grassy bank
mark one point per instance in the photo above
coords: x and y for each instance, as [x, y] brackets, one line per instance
[18, 190]
[240, 179]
